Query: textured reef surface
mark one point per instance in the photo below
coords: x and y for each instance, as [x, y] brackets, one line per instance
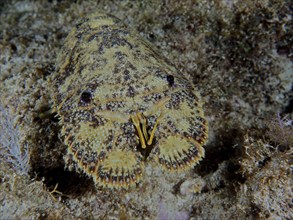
[236, 54]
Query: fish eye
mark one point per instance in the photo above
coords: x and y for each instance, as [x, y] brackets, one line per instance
[170, 80]
[86, 97]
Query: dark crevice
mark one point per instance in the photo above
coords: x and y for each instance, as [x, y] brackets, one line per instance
[224, 151]
[70, 184]
[233, 174]
[47, 162]
[289, 108]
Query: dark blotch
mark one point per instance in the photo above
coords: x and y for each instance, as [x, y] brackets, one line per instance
[170, 80]
[86, 97]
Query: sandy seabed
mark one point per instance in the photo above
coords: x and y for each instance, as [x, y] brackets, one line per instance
[239, 56]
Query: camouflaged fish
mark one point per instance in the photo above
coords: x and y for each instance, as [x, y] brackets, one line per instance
[122, 105]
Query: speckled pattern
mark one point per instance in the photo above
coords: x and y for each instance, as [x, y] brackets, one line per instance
[122, 104]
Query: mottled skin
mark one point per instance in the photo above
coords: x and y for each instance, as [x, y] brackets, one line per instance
[121, 104]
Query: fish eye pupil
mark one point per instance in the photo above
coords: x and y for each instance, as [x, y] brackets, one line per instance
[170, 80]
[86, 97]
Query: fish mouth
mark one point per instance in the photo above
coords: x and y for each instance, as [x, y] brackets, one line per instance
[140, 123]
[145, 133]
[139, 120]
